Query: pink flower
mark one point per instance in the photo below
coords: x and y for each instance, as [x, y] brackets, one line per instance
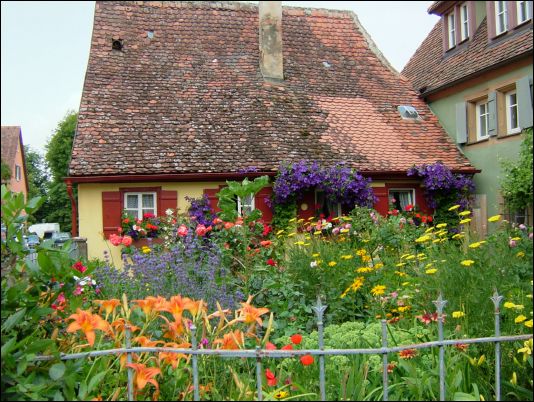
[512, 243]
[78, 266]
[115, 239]
[201, 230]
[182, 231]
[78, 291]
[335, 231]
[127, 240]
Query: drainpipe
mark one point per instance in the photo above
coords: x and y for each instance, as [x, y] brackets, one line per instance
[74, 220]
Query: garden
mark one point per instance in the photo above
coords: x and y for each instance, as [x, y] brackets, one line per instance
[229, 282]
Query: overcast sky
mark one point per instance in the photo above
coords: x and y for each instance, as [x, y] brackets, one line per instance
[45, 48]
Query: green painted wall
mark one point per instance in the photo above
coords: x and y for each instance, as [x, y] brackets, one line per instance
[488, 154]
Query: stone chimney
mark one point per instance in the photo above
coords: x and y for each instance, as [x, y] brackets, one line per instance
[271, 60]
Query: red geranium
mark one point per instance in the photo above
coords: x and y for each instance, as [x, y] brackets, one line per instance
[270, 346]
[296, 339]
[271, 378]
[287, 347]
[78, 266]
[306, 360]
[271, 262]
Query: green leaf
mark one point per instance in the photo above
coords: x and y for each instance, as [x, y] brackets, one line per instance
[57, 371]
[8, 347]
[462, 396]
[96, 380]
[40, 345]
[13, 320]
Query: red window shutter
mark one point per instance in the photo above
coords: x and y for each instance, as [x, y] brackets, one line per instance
[111, 212]
[309, 199]
[210, 192]
[168, 199]
[382, 204]
[261, 203]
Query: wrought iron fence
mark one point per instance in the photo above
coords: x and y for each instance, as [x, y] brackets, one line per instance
[319, 309]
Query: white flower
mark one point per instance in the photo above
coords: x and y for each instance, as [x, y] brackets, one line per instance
[169, 212]
[313, 264]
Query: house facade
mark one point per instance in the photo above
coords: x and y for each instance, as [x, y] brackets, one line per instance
[13, 157]
[475, 72]
[181, 96]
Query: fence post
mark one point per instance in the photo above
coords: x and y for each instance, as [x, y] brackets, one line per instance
[258, 373]
[319, 311]
[196, 395]
[127, 335]
[440, 304]
[385, 360]
[496, 299]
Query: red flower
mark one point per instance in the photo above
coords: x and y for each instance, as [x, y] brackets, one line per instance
[424, 219]
[127, 220]
[461, 346]
[201, 230]
[271, 378]
[418, 216]
[408, 353]
[429, 219]
[115, 240]
[127, 241]
[182, 231]
[265, 243]
[287, 347]
[306, 360]
[216, 221]
[408, 207]
[148, 215]
[271, 262]
[266, 230]
[296, 339]
[270, 346]
[78, 266]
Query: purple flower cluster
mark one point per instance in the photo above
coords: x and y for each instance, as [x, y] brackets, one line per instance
[200, 210]
[193, 268]
[340, 183]
[438, 181]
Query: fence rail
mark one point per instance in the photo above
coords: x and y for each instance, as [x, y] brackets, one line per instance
[319, 309]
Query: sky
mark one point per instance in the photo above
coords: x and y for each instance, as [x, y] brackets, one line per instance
[45, 49]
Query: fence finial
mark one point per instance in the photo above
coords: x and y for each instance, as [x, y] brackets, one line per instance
[319, 309]
[440, 303]
[496, 299]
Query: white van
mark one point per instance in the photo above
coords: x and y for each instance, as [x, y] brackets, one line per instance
[41, 228]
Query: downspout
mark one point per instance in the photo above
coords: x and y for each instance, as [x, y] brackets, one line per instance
[74, 220]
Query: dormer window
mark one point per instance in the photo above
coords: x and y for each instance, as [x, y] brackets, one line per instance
[524, 11]
[464, 23]
[501, 18]
[451, 24]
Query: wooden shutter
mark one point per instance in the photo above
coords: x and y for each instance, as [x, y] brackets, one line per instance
[111, 212]
[461, 123]
[261, 203]
[168, 199]
[524, 102]
[210, 192]
[492, 111]
[382, 203]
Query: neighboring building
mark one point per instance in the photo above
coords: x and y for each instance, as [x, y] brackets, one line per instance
[475, 72]
[181, 96]
[13, 157]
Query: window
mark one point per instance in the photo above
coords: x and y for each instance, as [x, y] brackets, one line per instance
[18, 173]
[524, 11]
[402, 197]
[482, 116]
[452, 30]
[138, 204]
[512, 118]
[325, 206]
[464, 27]
[501, 18]
[246, 205]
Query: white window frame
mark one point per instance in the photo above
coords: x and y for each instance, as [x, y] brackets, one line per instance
[485, 115]
[402, 190]
[498, 13]
[451, 26]
[464, 22]
[528, 11]
[138, 212]
[510, 107]
[338, 210]
[248, 203]
[18, 173]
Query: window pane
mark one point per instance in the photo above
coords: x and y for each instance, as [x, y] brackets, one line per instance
[148, 211]
[131, 201]
[402, 198]
[148, 201]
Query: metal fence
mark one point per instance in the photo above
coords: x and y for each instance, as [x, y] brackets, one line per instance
[319, 309]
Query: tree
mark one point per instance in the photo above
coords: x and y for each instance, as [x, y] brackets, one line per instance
[516, 183]
[58, 151]
[38, 178]
[6, 172]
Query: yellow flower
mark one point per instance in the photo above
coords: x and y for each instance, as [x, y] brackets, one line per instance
[410, 257]
[458, 236]
[467, 263]
[366, 258]
[509, 305]
[281, 394]
[280, 232]
[378, 265]
[292, 220]
[291, 234]
[317, 232]
[399, 273]
[514, 378]
[441, 225]
[520, 254]
[299, 243]
[403, 309]
[332, 264]
[405, 283]
[422, 239]
[494, 218]
[430, 229]
[436, 241]
[526, 350]
[401, 264]
[431, 271]
[346, 257]
[364, 270]
[528, 323]
[458, 314]
[344, 231]
[315, 255]
[520, 318]
[516, 238]
[378, 290]
[475, 245]
[466, 220]
[454, 207]
[361, 252]
[145, 249]
[465, 213]
[404, 256]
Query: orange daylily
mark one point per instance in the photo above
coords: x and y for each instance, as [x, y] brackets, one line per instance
[175, 328]
[173, 358]
[176, 306]
[144, 375]
[88, 323]
[250, 314]
[232, 340]
[119, 323]
[146, 342]
[196, 306]
[108, 305]
[151, 304]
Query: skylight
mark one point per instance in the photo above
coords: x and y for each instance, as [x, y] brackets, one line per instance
[408, 112]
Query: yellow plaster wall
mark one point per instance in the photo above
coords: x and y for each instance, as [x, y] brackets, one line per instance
[90, 210]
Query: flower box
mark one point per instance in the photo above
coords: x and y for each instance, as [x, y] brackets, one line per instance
[147, 241]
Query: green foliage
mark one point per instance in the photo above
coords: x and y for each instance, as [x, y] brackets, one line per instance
[228, 197]
[516, 183]
[6, 172]
[283, 213]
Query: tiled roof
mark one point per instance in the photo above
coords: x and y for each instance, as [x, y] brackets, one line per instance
[192, 99]
[432, 69]
[10, 136]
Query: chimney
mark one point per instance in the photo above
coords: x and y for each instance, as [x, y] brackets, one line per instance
[271, 60]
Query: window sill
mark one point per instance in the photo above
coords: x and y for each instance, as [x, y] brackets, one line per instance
[507, 135]
[478, 141]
